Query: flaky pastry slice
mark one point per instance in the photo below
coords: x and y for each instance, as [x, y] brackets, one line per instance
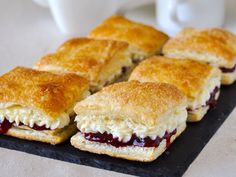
[102, 62]
[144, 40]
[213, 46]
[38, 105]
[200, 82]
[130, 120]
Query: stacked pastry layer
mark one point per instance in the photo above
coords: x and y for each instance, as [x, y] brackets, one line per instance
[200, 82]
[136, 119]
[38, 105]
[102, 62]
[216, 47]
[144, 40]
[132, 120]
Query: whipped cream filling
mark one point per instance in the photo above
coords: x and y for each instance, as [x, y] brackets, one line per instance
[18, 114]
[205, 94]
[124, 128]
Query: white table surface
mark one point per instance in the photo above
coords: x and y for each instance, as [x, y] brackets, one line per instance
[27, 32]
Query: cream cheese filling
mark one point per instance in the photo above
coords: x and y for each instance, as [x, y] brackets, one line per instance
[124, 128]
[205, 94]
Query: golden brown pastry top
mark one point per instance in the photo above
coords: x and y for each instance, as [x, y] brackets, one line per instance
[187, 75]
[143, 103]
[213, 41]
[83, 56]
[143, 37]
[49, 93]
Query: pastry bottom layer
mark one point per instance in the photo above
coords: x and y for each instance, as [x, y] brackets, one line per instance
[198, 114]
[49, 136]
[228, 78]
[134, 140]
[143, 154]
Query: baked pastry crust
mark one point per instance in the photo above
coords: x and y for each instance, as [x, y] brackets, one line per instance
[187, 75]
[130, 153]
[191, 77]
[143, 39]
[197, 115]
[49, 93]
[100, 61]
[131, 100]
[214, 45]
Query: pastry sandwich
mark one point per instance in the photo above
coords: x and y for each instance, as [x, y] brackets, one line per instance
[102, 62]
[130, 120]
[144, 40]
[214, 46]
[37, 105]
[200, 82]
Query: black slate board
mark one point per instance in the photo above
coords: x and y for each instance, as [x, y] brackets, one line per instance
[172, 163]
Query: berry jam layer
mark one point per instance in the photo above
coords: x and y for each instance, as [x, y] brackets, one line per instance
[134, 141]
[124, 69]
[6, 125]
[212, 100]
[228, 70]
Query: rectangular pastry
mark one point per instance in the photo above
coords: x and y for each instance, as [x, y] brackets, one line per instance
[200, 82]
[214, 46]
[37, 105]
[100, 61]
[130, 120]
[144, 40]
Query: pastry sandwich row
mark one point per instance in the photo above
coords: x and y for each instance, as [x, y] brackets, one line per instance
[136, 119]
[104, 60]
[130, 120]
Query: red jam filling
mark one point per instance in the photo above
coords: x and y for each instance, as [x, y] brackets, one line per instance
[6, 125]
[212, 100]
[124, 70]
[38, 128]
[134, 141]
[228, 70]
